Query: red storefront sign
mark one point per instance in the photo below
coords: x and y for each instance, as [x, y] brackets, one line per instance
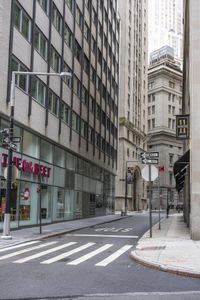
[27, 166]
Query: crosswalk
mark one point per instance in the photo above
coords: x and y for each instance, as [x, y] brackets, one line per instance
[55, 252]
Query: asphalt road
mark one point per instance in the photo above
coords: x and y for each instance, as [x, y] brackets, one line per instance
[92, 263]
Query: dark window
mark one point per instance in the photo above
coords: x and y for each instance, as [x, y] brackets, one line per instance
[57, 19]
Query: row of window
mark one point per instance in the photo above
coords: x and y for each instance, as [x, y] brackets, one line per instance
[38, 92]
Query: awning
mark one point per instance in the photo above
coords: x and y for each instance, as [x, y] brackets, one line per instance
[179, 169]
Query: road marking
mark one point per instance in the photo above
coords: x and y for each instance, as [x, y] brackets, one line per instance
[113, 256]
[66, 254]
[106, 235]
[113, 229]
[89, 255]
[19, 246]
[22, 260]
[26, 250]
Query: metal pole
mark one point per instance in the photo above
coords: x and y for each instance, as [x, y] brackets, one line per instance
[150, 195]
[159, 202]
[167, 203]
[6, 224]
[126, 187]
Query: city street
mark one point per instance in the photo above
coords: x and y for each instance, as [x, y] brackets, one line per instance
[93, 261]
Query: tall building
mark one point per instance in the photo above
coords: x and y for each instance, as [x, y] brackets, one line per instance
[165, 25]
[67, 159]
[132, 104]
[164, 103]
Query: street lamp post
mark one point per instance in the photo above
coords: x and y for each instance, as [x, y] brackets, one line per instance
[6, 225]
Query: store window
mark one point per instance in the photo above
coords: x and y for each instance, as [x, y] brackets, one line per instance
[30, 144]
[58, 204]
[46, 152]
[45, 194]
[69, 205]
[28, 203]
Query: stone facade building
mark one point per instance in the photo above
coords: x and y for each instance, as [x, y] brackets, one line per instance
[164, 103]
[132, 103]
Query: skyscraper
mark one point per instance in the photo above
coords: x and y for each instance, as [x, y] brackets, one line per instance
[132, 103]
[165, 25]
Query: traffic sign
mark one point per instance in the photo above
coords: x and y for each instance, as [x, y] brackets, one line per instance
[149, 154]
[16, 139]
[149, 161]
[145, 173]
[12, 146]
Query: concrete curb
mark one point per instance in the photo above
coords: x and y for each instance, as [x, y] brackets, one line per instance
[58, 233]
[78, 228]
[162, 267]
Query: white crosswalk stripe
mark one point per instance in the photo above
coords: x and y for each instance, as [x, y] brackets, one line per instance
[67, 254]
[18, 246]
[22, 260]
[26, 250]
[38, 253]
[113, 256]
[90, 255]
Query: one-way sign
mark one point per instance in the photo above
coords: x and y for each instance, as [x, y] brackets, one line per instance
[149, 154]
[149, 161]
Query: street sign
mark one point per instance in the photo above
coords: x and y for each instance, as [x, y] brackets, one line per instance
[149, 155]
[145, 173]
[16, 139]
[12, 146]
[149, 161]
[182, 127]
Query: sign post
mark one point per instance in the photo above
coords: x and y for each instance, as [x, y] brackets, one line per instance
[150, 173]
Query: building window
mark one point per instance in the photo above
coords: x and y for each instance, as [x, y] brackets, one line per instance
[92, 74]
[45, 5]
[65, 113]
[94, 17]
[173, 124]
[67, 79]
[85, 96]
[88, 4]
[55, 60]
[84, 127]
[57, 19]
[53, 103]
[68, 36]
[127, 151]
[153, 123]
[38, 90]
[22, 22]
[79, 17]
[86, 32]
[86, 65]
[20, 80]
[77, 87]
[40, 43]
[153, 97]
[153, 109]
[169, 123]
[77, 51]
[92, 104]
[171, 84]
[75, 121]
[149, 110]
[70, 4]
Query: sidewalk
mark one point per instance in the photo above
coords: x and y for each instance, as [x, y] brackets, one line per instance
[51, 230]
[170, 249]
